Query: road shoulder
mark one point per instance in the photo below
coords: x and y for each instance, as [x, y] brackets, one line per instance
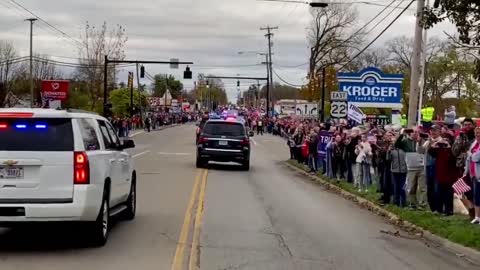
[467, 253]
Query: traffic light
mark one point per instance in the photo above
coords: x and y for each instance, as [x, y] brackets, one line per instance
[142, 72]
[187, 74]
[238, 83]
[206, 82]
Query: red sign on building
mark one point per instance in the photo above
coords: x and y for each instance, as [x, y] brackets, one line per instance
[55, 89]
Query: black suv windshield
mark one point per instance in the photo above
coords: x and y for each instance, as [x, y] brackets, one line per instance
[224, 129]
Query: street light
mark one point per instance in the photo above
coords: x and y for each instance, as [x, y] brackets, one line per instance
[318, 4]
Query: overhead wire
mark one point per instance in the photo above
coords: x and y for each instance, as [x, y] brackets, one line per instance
[79, 64]
[9, 61]
[63, 33]
[360, 29]
[385, 17]
[379, 35]
[284, 81]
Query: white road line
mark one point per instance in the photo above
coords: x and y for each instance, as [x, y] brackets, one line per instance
[253, 141]
[136, 133]
[174, 154]
[141, 154]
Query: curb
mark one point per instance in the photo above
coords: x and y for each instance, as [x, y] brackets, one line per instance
[466, 253]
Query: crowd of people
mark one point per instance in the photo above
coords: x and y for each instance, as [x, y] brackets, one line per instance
[149, 122]
[417, 168]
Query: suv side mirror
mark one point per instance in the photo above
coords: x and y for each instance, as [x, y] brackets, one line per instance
[251, 133]
[127, 144]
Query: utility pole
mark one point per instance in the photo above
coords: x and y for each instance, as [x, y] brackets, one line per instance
[32, 94]
[268, 80]
[423, 72]
[269, 64]
[416, 67]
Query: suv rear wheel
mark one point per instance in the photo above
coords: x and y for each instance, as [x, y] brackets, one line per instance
[101, 226]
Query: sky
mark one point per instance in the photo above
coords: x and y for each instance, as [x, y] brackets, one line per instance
[209, 33]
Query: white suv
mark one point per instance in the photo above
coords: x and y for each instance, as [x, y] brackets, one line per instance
[61, 165]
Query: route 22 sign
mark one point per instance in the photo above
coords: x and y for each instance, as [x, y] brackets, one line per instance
[338, 104]
[339, 109]
[55, 89]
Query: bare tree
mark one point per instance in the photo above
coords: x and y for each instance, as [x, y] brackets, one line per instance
[378, 57]
[333, 34]
[401, 50]
[97, 43]
[7, 66]
[42, 69]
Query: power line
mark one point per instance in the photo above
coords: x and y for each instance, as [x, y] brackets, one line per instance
[226, 66]
[379, 35]
[78, 64]
[47, 23]
[385, 17]
[9, 61]
[284, 81]
[358, 30]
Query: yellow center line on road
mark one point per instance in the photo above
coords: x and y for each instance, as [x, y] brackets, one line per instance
[194, 263]
[177, 263]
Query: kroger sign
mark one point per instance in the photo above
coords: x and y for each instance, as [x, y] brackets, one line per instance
[372, 88]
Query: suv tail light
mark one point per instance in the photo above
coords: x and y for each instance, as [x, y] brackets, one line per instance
[81, 169]
[202, 140]
[245, 142]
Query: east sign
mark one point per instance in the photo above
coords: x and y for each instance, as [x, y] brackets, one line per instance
[371, 88]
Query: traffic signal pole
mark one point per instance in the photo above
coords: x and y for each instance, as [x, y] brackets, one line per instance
[139, 93]
[108, 61]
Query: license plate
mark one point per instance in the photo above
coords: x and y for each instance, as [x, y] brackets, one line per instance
[222, 142]
[11, 172]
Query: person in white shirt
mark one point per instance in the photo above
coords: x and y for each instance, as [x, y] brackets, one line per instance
[364, 161]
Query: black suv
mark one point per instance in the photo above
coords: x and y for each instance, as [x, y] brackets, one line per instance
[224, 141]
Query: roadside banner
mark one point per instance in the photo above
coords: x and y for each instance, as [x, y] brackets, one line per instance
[355, 114]
[55, 89]
[323, 139]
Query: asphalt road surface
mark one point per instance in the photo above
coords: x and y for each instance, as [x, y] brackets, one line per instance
[224, 218]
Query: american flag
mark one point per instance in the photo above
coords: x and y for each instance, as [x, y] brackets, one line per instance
[461, 187]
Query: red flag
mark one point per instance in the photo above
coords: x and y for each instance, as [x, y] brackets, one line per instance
[461, 187]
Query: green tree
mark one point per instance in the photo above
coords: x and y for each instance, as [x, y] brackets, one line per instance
[280, 91]
[465, 14]
[120, 99]
[163, 81]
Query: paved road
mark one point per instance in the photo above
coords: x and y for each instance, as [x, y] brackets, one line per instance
[224, 218]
